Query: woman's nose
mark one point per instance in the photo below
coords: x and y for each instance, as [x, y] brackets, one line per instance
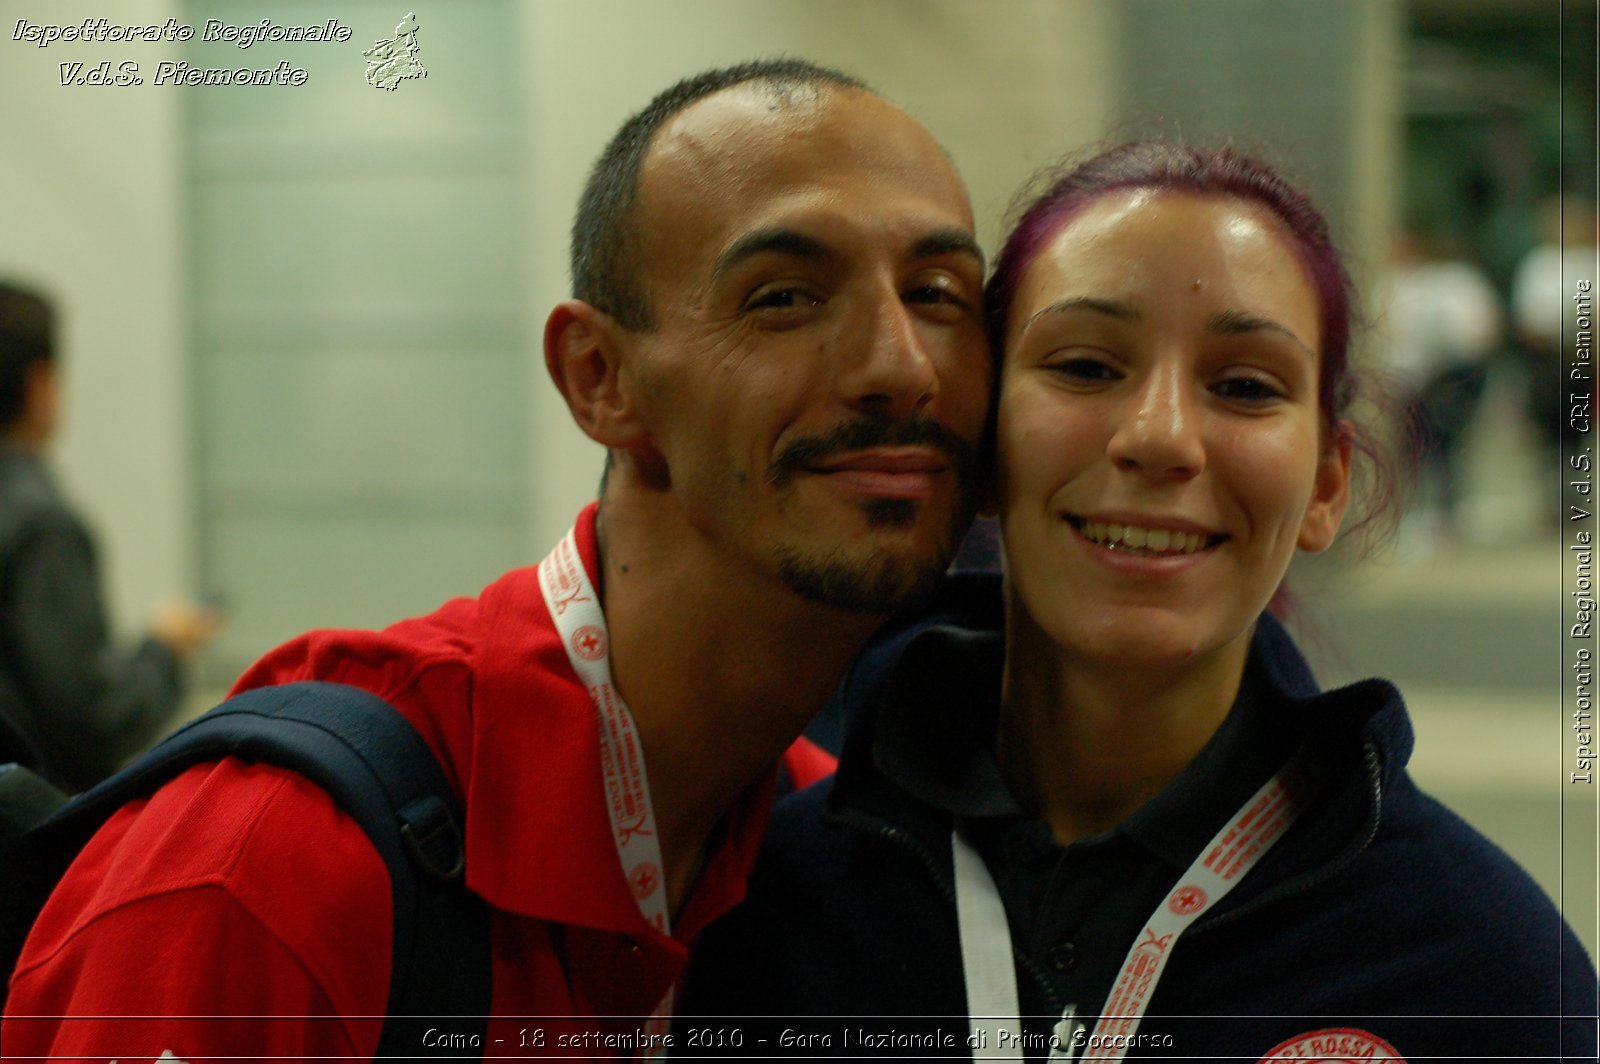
[1159, 435]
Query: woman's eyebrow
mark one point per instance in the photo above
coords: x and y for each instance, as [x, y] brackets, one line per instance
[1231, 322]
[1111, 308]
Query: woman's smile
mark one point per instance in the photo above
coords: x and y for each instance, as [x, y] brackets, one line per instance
[1159, 409]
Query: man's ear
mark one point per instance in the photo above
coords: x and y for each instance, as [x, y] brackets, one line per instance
[41, 403]
[583, 349]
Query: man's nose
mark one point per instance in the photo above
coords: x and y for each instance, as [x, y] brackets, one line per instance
[891, 370]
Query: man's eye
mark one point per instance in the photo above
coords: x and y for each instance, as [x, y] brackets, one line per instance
[783, 299]
[933, 293]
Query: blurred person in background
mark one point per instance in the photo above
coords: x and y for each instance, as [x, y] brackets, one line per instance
[1545, 313]
[1444, 325]
[73, 705]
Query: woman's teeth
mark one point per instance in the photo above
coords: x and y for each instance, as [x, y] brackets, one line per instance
[1140, 540]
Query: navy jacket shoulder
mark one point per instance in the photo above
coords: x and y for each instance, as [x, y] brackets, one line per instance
[1380, 911]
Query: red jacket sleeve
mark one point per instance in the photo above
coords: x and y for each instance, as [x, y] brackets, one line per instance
[214, 920]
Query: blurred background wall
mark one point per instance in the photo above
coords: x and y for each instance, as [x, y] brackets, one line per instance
[303, 322]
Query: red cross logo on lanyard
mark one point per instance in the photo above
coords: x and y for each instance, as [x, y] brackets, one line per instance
[1186, 900]
[646, 877]
[589, 643]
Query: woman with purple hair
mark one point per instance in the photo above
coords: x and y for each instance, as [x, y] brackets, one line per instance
[1104, 810]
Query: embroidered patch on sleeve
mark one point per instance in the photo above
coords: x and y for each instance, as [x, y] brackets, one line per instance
[1334, 1045]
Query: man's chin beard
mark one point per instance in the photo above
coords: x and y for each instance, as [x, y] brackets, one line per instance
[878, 584]
[876, 581]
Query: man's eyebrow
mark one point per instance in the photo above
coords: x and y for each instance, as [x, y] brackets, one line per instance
[1111, 308]
[769, 241]
[1231, 322]
[950, 241]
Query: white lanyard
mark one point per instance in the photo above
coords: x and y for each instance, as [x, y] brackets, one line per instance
[575, 608]
[991, 976]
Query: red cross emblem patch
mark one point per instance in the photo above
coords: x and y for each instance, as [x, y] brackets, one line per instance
[1187, 900]
[589, 643]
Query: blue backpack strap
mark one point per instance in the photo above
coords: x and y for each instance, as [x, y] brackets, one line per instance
[382, 774]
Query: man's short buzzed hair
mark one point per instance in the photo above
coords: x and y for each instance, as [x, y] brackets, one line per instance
[603, 271]
[27, 335]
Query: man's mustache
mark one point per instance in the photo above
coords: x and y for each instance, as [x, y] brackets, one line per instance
[866, 433]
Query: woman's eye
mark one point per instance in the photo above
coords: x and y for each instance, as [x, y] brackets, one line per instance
[1085, 370]
[1247, 389]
